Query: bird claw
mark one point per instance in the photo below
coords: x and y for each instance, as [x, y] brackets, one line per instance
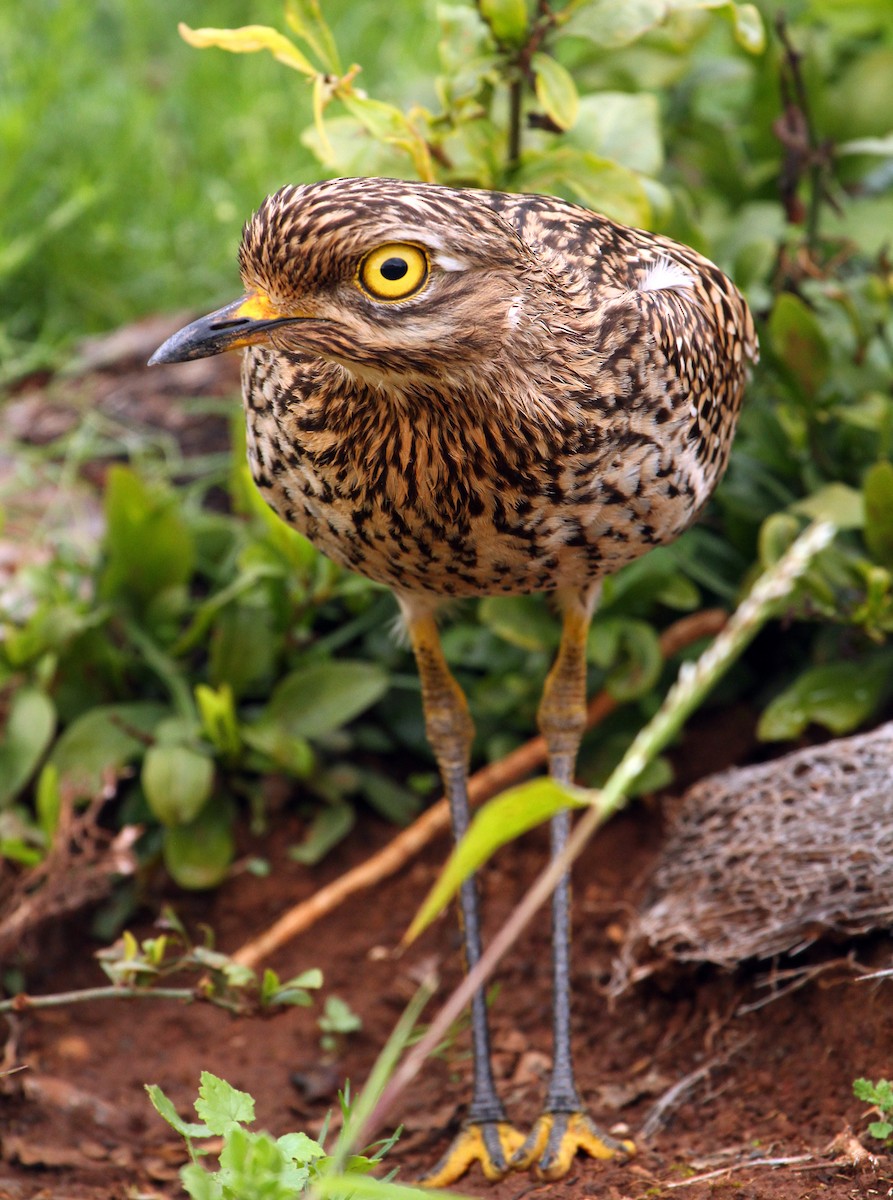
[556, 1138]
[491, 1143]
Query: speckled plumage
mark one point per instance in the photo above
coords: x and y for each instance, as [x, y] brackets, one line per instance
[559, 398]
[547, 397]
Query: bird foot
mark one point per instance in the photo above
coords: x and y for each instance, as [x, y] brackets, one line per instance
[556, 1138]
[491, 1143]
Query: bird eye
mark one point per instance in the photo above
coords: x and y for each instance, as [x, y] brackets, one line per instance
[393, 272]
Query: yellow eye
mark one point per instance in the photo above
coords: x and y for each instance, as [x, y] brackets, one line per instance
[394, 271]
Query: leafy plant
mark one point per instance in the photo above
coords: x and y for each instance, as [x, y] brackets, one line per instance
[254, 1164]
[880, 1094]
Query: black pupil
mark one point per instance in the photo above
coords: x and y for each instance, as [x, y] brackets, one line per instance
[394, 268]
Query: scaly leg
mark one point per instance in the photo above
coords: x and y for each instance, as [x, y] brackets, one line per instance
[564, 1128]
[486, 1136]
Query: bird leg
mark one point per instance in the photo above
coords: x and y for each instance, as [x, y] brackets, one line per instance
[564, 1128]
[486, 1136]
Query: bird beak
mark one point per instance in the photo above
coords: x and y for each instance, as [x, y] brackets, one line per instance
[242, 323]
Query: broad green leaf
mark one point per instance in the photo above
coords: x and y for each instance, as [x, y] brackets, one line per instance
[243, 647]
[366, 1187]
[614, 23]
[221, 1106]
[555, 90]
[29, 731]
[598, 183]
[331, 824]
[177, 781]
[165, 1108]
[630, 651]
[878, 496]
[507, 19]
[247, 40]
[623, 127]
[838, 696]
[835, 502]
[198, 855]
[521, 621]
[299, 1147]
[799, 341]
[392, 800]
[499, 821]
[148, 545]
[306, 19]
[98, 745]
[321, 697]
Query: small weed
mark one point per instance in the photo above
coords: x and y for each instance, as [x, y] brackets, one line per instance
[338, 1020]
[254, 1164]
[879, 1094]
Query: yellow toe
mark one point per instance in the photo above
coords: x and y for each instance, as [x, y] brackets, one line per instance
[556, 1139]
[490, 1143]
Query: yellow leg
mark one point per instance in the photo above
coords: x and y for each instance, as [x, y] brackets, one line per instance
[486, 1137]
[564, 1129]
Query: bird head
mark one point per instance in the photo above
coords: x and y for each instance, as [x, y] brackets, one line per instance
[385, 277]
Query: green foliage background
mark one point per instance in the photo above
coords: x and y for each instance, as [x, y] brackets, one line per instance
[212, 651]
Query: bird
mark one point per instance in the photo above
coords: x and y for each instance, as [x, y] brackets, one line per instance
[460, 393]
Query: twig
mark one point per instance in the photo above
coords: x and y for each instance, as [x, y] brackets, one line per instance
[26, 1003]
[670, 1098]
[484, 784]
[741, 1166]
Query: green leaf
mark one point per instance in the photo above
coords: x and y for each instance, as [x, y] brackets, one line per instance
[29, 731]
[555, 90]
[507, 19]
[198, 855]
[339, 1017]
[521, 621]
[98, 745]
[630, 651]
[221, 1106]
[835, 502]
[300, 1148]
[48, 801]
[319, 698]
[614, 23]
[598, 183]
[838, 696]
[306, 20]
[219, 721]
[165, 1108]
[623, 127]
[330, 825]
[878, 497]
[178, 782]
[499, 821]
[880, 1129]
[148, 545]
[799, 341]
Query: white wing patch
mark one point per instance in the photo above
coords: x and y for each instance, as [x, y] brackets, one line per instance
[664, 274]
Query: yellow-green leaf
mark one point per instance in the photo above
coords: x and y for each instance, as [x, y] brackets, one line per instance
[507, 19]
[555, 90]
[500, 821]
[306, 19]
[246, 40]
[177, 782]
